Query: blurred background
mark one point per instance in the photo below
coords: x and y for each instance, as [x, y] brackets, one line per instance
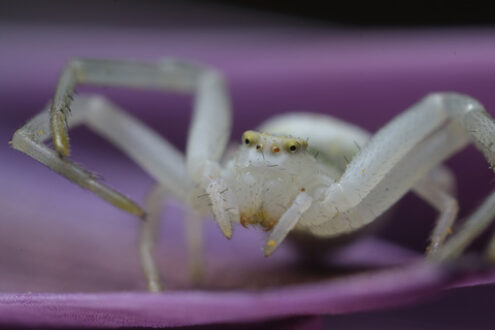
[361, 62]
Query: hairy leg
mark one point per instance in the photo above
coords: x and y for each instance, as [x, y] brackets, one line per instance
[403, 177]
[168, 75]
[208, 135]
[425, 135]
[211, 103]
[142, 145]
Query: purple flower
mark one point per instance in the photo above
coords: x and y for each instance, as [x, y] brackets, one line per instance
[68, 258]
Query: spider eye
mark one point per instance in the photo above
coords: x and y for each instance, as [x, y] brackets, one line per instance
[292, 145]
[250, 138]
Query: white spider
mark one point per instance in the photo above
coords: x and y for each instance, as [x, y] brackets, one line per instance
[274, 178]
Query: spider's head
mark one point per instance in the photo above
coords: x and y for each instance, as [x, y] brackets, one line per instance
[265, 149]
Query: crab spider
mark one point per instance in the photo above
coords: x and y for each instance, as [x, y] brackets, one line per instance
[273, 179]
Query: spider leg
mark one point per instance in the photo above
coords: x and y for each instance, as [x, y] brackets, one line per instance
[361, 198]
[404, 176]
[148, 234]
[287, 222]
[149, 150]
[207, 139]
[143, 145]
[149, 231]
[441, 199]
[396, 139]
[211, 104]
[168, 75]
[223, 206]
[210, 127]
[452, 114]
[474, 225]
[206, 143]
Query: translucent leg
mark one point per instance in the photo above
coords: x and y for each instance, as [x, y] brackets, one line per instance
[139, 142]
[223, 205]
[149, 230]
[287, 222]
[210, 127]
[29, 139]
[445, 203]
[397, 139]
[415, 165]
[470, 230]
[171, 75]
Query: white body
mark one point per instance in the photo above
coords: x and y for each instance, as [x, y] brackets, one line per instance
[264, 184]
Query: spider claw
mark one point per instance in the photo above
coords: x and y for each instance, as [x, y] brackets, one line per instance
[226, 228]
[270, 246]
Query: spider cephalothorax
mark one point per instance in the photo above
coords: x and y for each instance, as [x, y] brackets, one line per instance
[268, 172]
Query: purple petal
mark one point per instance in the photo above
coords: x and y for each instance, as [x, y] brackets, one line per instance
[67, 258]
[374, 290]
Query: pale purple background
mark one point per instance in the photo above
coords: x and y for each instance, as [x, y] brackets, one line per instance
[56, 239]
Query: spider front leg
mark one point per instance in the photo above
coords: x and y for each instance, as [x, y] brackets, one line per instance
[210, 128]
[222, 203]
[149, 150]
[140, 143]
[400, 154]
[144, 146]
[287, 222]
[169, 75]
